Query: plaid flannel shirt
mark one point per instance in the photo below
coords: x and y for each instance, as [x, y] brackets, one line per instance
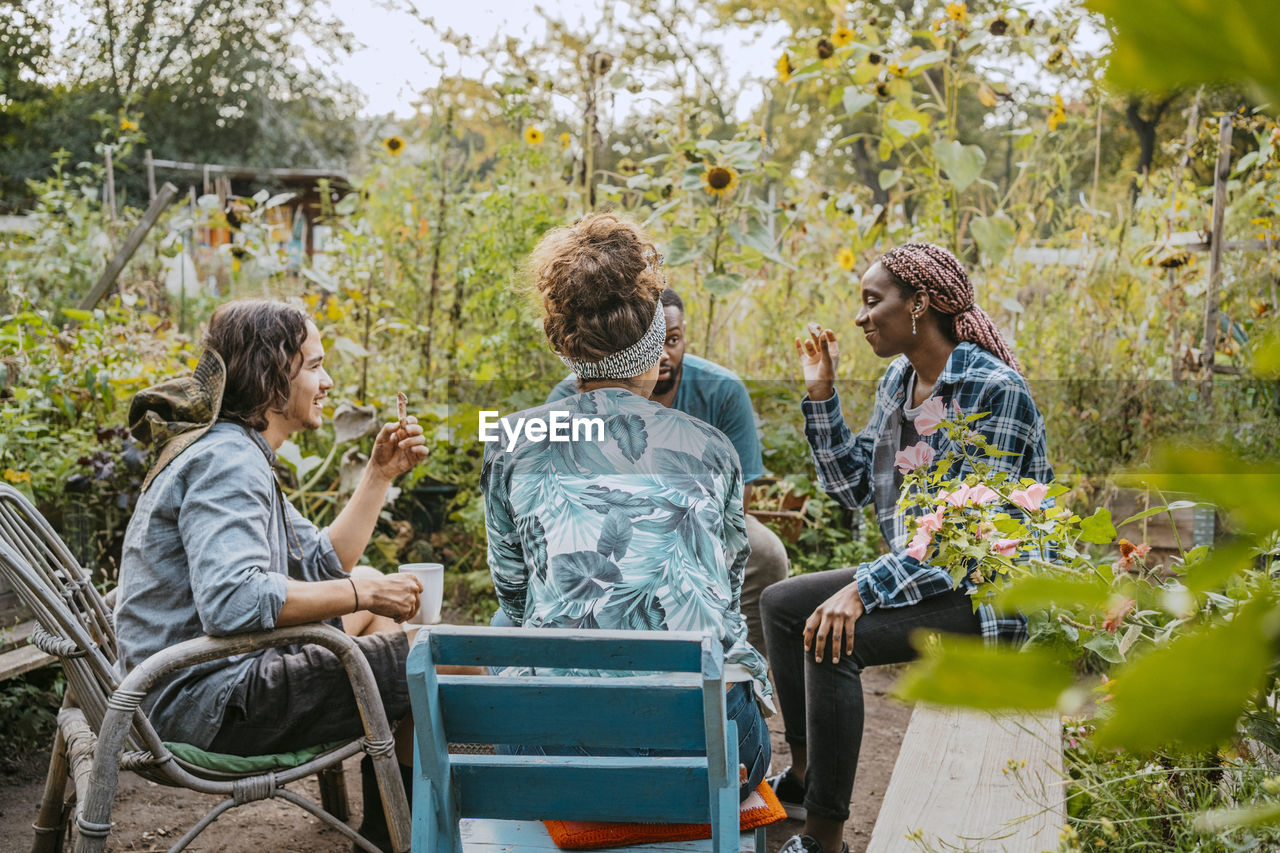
[978, 382]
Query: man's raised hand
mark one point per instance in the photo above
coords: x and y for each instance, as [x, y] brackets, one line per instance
[398, 447]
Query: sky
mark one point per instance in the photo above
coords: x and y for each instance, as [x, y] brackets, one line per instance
[396, 60]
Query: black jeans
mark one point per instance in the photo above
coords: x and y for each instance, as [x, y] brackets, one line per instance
[821, 703]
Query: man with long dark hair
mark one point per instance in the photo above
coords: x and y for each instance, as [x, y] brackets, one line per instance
[215, 549]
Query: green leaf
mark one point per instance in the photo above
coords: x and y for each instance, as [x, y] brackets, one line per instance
[1266, 358]
[723, 285]
[1248, 489]
[924, 60]
[1106, 647]
[963, 162]
[889, 177]
[995, 235]
[756, 237]
[682, 249]
[77, 314]
[1038, 592]
[1098, 528]
[955, 670]
[1158, 510]
[1220, 820]
[1219, 566]
[1159, 45]
[350, 348]
[1192, 691]
[292, 456]
[856, 101]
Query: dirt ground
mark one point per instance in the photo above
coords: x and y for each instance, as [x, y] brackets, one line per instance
[149, 817]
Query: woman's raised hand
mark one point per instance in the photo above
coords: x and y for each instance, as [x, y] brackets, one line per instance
[819, 355]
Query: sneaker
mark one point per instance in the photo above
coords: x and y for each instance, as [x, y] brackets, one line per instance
[790, 793]
[805, 844]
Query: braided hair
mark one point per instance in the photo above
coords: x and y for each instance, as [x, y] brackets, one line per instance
[925, 267]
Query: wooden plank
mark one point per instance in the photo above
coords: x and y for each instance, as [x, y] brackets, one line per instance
[131, 244]
[21, 660]
[961, 780]
[669, 651]
[489, 836]
[17, 636]
[652, 713]
[581, 788]
[1220, 176]
[253, 173]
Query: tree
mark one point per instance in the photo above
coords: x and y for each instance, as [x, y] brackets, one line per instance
[240, 81]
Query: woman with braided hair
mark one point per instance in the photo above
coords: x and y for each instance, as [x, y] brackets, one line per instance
[823, 628]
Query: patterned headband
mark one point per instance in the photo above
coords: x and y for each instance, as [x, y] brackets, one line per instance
[633, 360]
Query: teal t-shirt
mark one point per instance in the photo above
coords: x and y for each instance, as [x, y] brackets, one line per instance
[714, 395]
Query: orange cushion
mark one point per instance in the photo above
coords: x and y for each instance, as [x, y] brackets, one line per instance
[759, 809]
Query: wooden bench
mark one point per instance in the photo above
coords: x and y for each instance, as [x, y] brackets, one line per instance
[969, 780]
[17, 655]
[498, 802]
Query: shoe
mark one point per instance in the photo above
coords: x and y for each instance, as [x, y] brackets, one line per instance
[805, 844]
[374, 825]
[790, 792]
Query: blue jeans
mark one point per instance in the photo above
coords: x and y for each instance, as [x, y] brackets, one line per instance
[754, 749]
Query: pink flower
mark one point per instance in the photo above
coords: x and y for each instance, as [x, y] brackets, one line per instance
[919, 545]
[1031, 497]
[958, 497]
[918, 455]
[980, 494]
[1115, 617]
[984, 529]
[1129, 553]
[932, 521]
[1006, 547]
[932, 412]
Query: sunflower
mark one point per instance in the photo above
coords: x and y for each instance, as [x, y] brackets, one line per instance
[998, 27]
[533, 136]
[784, 68]
[565, 139]
[1057, 114]
[841, 36]
[845, 258]
[957, 12]
[720, 180]
[394, 145]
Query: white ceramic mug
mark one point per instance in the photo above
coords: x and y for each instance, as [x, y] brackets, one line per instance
[431, 576]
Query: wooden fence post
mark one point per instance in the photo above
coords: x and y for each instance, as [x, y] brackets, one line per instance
[151, 176]
[1210, 342]
[131, 244]
[109, 186]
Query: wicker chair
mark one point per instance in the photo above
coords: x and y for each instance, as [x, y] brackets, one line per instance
[101, 729]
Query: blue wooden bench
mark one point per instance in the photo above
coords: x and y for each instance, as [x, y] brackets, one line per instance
[497, 802]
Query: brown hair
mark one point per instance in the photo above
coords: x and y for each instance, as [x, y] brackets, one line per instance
[925, 267]
[259, 341]
[599, 280]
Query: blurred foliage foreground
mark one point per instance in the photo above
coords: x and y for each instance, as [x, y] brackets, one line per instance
[884, 123]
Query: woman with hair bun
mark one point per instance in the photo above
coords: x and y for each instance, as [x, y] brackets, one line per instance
[639, 526]
[823, 628]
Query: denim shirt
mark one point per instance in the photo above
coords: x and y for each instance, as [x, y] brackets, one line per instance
[208, 553]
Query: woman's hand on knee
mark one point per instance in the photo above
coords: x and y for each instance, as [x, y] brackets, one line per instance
[834, 620]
